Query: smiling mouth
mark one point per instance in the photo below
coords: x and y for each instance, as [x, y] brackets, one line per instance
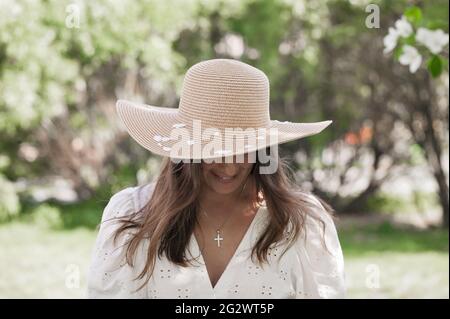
[224, 179]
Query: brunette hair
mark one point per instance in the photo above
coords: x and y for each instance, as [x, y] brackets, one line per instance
[167, 220]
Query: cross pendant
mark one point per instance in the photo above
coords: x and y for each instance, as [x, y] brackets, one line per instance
[218, 238]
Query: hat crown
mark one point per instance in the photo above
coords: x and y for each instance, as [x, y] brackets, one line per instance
[225, 93]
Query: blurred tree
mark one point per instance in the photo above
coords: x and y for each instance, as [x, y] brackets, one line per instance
[324, 63]
[421, 34]
[59, 84]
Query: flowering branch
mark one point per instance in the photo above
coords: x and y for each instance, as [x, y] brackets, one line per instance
[409, 39]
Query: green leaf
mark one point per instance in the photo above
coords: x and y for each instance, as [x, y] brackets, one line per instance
[398, 51]
[411, 40]
[436, 24]
[435, 66]
[414, 15]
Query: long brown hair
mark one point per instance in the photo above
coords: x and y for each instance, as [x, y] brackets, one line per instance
[169, 217]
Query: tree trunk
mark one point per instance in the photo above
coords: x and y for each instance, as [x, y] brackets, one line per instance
[433, 154]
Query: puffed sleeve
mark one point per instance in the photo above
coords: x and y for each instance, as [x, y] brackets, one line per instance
[109, 276]
[321, 273]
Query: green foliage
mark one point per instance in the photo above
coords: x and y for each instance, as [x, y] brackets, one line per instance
[269, 32]
[85, 215]
[435, 65]
[51, 71]
[429, 19]
[60, 216]
[398, 52]
[389, 204]
[416, 154]
[59, 80]
[385, 203]
[414, 15]
[47, 216]
[9, 201]
[385, 237]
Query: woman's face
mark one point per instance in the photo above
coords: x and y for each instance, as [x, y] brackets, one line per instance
[225, 178]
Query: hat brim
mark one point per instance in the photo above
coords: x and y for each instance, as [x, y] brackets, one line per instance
[152, 126]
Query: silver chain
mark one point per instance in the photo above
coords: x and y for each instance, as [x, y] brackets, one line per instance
[220, 227]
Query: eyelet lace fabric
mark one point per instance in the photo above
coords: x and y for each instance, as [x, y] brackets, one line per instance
[306, 270]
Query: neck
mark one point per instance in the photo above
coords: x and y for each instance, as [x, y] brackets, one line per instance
[212, 201]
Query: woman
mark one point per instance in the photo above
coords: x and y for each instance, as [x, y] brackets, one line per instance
[218, 224]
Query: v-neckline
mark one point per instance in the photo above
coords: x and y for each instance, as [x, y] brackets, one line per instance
[238, 250]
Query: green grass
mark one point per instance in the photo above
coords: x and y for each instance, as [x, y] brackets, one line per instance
[385, 237]
[398, 275]
[387, 261]
[36, 262]
[86, 214]
[39, 261]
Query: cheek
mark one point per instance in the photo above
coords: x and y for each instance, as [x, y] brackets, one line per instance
[247, 168]
[207, 173]
[206, 169]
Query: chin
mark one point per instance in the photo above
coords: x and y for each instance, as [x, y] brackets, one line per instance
[224, 186]
[223, 190]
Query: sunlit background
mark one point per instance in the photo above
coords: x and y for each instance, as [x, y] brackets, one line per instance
[378, 69]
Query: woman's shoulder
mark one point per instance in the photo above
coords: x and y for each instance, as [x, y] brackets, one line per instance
[320, 253]
[317, 212]
[127, 201]
[109, 275]
[143, 194]
[119, 204]
[319, 223]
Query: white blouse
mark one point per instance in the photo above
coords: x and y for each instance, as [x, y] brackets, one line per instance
[306, 270]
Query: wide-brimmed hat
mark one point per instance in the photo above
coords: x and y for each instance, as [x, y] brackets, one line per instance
[223, 111]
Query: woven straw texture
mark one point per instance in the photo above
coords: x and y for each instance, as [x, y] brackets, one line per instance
[223, 111]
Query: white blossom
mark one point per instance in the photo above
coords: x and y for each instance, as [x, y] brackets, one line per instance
[411, 57]
[403, 27]
[390, 40]
[434, 40]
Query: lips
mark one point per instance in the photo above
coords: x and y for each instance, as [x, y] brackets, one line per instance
[224, 178]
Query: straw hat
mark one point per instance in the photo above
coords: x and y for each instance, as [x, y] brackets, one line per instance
[223, 111]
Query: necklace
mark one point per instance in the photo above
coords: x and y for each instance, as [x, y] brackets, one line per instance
[219, 236]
